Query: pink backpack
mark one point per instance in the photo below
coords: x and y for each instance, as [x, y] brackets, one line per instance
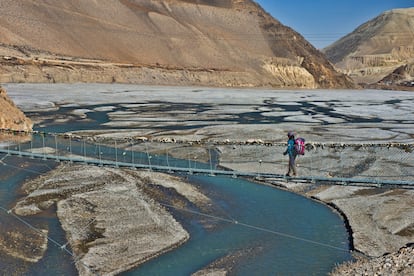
[300, 146]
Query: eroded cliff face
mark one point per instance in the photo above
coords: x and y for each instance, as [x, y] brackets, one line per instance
[175, 42]
[11, 117]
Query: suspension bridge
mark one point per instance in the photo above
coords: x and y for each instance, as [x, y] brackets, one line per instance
[64, 148]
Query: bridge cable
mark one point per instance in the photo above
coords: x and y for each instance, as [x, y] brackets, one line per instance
[258, 228]
[62, 247]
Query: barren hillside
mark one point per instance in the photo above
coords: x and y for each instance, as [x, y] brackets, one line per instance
[10, 116]
[204, 42]
[374, 51]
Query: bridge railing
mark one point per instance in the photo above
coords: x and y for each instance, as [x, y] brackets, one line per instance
[373, 162]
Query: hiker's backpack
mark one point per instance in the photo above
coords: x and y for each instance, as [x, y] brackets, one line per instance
[300, 146]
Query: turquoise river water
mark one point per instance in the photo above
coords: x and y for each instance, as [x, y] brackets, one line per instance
[274, 232]
[268, 231]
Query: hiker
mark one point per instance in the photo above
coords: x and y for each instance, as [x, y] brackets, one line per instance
[292, 153]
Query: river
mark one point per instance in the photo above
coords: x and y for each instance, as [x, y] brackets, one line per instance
[263, 230]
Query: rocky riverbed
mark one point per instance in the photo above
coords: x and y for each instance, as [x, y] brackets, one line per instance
[396, 263]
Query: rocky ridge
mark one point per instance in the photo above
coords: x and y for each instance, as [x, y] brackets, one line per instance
[379, 51]
[175, 42]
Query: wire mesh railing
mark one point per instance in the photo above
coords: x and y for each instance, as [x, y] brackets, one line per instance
[392, 162]
[373, 161]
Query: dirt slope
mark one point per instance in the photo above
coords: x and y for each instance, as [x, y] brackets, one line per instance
[10, 116]
[207, 42]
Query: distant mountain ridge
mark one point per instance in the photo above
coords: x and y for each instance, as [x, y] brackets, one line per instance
[378, 48]
[204, 42]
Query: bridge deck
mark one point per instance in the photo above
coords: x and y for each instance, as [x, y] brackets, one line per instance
[213, 172]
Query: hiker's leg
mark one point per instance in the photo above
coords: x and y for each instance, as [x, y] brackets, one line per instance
[294, 165]
[291, 165]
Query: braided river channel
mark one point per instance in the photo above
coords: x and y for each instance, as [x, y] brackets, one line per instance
[265, 230]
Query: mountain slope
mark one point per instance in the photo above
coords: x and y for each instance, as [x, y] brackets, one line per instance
[226, 42]
[376, 48]
[10, 116]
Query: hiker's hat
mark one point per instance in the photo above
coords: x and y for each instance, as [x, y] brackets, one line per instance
[291, 134]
